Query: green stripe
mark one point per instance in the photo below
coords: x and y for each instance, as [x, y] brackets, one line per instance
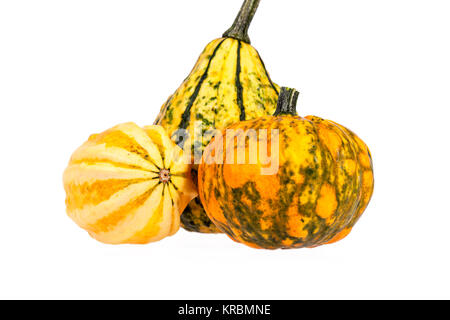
[239, 88]
[186, 117]
[163, 111]
[267, 73]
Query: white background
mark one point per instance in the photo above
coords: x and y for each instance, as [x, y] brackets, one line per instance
[72, 68]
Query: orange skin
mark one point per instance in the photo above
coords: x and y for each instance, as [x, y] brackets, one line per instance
[323, 185]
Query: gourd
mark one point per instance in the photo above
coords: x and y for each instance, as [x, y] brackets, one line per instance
[128, 185]
[229, 83]
[322, 186]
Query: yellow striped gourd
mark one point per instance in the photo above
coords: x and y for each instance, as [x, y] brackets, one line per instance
[128, 185]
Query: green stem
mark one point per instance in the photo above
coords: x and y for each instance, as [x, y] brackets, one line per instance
[287, 102]
[239, 29]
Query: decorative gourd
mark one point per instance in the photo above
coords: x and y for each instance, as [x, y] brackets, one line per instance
[128, 185]
[323, 184]
[229, 83]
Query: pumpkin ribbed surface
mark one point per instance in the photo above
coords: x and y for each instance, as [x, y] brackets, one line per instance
[229, 83]
[128, 185]
[323, 185]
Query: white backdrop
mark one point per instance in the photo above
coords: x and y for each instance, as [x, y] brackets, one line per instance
[72, 68]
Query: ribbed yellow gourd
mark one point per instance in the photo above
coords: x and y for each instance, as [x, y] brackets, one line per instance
[128, 185]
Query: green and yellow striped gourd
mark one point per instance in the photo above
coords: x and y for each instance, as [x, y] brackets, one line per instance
[229, 83]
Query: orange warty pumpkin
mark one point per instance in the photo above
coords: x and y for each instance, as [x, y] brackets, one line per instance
[323, 184]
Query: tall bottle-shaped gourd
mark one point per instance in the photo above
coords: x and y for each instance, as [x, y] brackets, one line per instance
[229, 83]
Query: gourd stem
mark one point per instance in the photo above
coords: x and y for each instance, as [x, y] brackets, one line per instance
[239, 29]
[287, 102]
